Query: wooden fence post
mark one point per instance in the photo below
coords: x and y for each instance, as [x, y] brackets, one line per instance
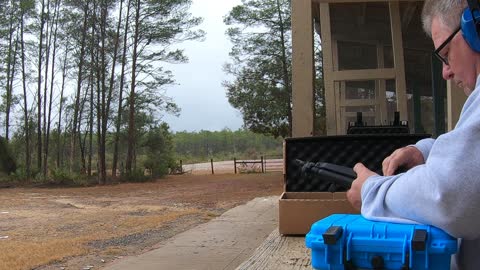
[263, 170]
[265, 160]
[211, 162]
[181, 166]
[235, 165]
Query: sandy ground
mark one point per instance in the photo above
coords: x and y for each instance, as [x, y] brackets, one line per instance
[84, 228]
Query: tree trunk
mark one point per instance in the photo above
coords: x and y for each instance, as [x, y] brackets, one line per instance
[99, 109]
[92, 86]
[131, 115]
[25, 102]
[120, 95]
[48, 35]
[52, 79]
[82, 144]
[39, 90]
[79, 86]
[9, 66]
[112, 76]
[90, 138]
[59, 130]
[10, 88]
[99, 127]
[104, 106]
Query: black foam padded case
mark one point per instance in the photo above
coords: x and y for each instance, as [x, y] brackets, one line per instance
[344, 150]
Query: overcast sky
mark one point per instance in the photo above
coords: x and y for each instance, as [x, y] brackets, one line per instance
[199, 92]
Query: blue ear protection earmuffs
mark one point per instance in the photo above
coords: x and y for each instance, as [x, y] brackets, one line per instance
[470, 24]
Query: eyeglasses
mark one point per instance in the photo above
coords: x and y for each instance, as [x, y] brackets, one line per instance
[442, 58]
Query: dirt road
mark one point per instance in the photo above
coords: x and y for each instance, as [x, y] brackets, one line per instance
[79, 228]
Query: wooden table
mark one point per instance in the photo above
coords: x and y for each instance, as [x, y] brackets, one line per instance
[279, 252]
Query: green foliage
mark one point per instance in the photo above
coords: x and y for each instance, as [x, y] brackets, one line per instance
[320, 123]
[59, 176]
[20, 175]
[158, 145]
[7, 163]
[161, 24]
[137, 175]
[192, 147]
[62, 177]
[261, 63]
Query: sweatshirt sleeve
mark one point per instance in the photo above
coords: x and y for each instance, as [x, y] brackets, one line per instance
[443, 192]
[425, 146]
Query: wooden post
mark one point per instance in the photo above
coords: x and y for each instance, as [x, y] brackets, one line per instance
[398, 59]
[263, 170]
[211, 162]
[303, 107]
[265, 163]
[181, 166]
[328, 69]
[235, 165]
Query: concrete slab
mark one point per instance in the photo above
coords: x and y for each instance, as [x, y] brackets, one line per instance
[223, 243]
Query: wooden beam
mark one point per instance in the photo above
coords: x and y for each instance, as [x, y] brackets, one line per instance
[364, 114]
[338, 90]
[364, 74]
[398, 59]
[363, 14]
[408, 14]
[331, 116]
[455, 100]
[341, 109]
[381, 88]
[359, 102]
[303, 109]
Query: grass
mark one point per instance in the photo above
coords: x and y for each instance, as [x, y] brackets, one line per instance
[27, 255]
[23, 250]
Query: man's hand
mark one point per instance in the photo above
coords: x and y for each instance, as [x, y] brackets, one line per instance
[354, 194]
[405, 157]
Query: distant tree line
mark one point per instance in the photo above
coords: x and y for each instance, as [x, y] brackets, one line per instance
[201, 146]
[159, 150]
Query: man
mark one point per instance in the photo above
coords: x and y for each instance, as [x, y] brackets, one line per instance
[442, 185]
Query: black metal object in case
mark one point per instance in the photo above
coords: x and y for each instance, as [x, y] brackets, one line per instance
[396, 127]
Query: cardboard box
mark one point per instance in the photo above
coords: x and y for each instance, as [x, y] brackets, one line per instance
[299, 210]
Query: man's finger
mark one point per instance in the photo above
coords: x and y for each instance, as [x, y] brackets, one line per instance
[391, 167]
[385, 164]
[358, 167]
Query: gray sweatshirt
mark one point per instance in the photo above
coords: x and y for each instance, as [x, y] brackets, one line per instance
[443, 192]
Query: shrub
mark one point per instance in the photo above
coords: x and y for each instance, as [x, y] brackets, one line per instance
[137, 175]
[7, 163]
[61, 177]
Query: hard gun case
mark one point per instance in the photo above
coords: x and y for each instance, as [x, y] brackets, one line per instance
[343, 241]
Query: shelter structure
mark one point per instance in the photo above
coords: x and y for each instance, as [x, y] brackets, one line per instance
[376, 59]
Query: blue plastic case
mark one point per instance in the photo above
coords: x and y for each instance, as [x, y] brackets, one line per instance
[344, 241]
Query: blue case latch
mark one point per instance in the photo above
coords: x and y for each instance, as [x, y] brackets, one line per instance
[419, 241]
[332, 234]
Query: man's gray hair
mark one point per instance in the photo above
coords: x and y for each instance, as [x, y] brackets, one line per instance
[448, 12]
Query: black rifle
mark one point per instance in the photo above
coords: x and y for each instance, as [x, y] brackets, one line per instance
[339, 176]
